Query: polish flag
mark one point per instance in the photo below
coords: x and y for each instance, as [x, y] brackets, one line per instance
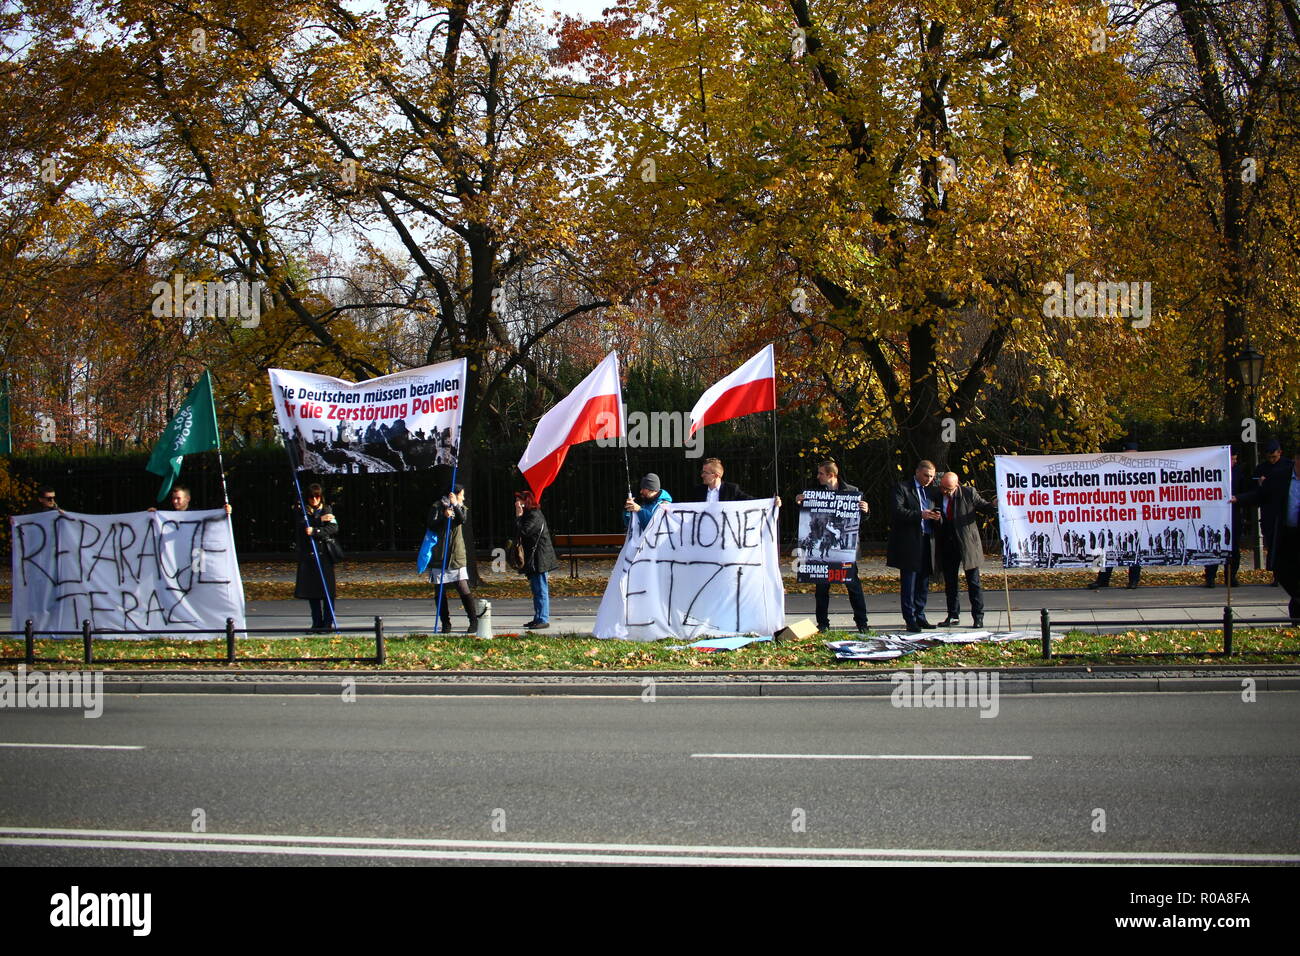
[592, 410]
[750, 388]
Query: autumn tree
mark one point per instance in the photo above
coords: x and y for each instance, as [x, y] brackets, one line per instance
[903, 179]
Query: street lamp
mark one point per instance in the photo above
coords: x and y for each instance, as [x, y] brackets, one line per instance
[1250, 367]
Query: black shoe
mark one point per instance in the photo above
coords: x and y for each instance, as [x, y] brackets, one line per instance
[979, 622]
[925, 625]
[823, 628]
[532, 623]
[1208, 584]
[952, 620]
[913, 629]
[1096, 585]
[537, 625]
[863, 629]
[1236, 583]
[1131, 587]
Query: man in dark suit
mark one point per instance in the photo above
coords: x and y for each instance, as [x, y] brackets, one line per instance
[828, 476]
[712, 487]
[1281, 493]
[959, 547]
[914, 520]
[1274, 463]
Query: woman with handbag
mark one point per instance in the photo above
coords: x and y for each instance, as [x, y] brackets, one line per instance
[539, 556]
[316, 581]
[450, 552]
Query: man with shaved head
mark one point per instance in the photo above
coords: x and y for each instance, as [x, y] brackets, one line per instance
[958, 546]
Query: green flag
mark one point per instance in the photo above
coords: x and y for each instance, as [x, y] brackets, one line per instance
[193, 429]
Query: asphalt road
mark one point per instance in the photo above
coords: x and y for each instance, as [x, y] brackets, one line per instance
[1205, 777]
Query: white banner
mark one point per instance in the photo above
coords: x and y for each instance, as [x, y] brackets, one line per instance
[1117, 509]
[169, 571]
[401, 422]
[697, 570]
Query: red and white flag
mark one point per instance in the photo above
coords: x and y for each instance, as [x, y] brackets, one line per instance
[592, 410]
[750, 388]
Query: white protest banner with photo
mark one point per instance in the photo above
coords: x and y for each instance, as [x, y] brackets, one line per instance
[169, 571]
[697, 570]
[828, 534]
[1117, 509]
[401, 422]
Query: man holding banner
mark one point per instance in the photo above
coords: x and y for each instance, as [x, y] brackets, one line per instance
[816, 543]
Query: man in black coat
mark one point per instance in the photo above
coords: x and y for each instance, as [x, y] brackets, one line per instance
[1281, 494]
[958, 545]
[1274, 463]
[828, 476]
[911, 547]
[712, 487]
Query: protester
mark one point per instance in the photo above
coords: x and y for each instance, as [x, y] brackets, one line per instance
[652, 496]
[1241, 483]
[712, 487]
[450, 552]
[539, 556]
[1134, 570]
[828, 476]
[179, 499]
[1273, 464]
[45, 501]
[1281, 492]
[316, 566]
[910, 547]
[959, 546]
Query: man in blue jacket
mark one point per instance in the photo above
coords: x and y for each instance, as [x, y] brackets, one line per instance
[652, 496]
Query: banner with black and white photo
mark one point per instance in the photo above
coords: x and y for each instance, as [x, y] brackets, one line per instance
[1161, 508]
[167, 571]
[400, 422]
[698, 570]
[828, 534]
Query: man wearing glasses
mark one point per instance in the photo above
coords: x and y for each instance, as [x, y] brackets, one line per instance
[45, 501]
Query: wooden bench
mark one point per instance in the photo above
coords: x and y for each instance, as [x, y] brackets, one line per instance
[576, 543]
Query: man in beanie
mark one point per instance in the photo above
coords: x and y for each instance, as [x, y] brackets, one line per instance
[651, 497]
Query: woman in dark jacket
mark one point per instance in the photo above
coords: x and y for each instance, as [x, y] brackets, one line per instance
[451, 549]
[539, 555]
[318, 525]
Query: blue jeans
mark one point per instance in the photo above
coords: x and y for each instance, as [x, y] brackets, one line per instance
[541, 597]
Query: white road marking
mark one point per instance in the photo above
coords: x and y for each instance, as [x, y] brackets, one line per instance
[524, 851]
[863, 756]
[78, 746]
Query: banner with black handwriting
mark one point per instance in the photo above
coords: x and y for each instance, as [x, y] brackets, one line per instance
[1115, 509]
[168, 571]
[697, 570]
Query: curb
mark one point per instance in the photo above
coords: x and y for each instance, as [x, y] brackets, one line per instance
[665, 685]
